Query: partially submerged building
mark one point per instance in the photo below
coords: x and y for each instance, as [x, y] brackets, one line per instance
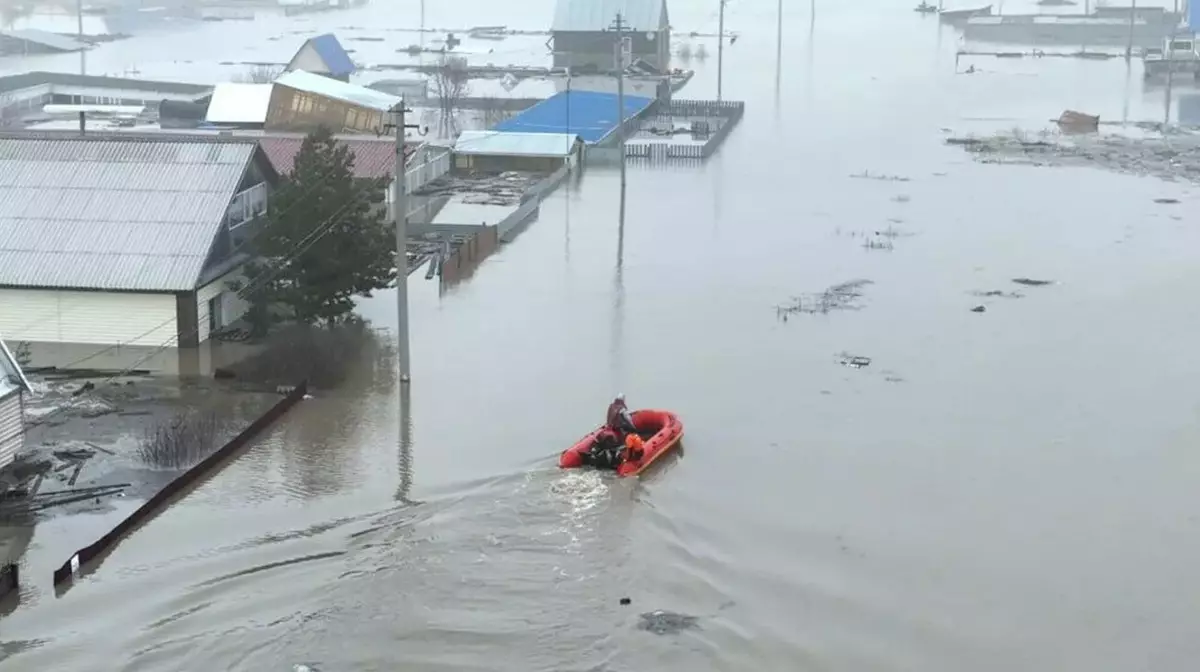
[27, 93]
[500, 151]
[591, 115]
[125, 240]
[31, 42]
[13, 388]
[302, 101]
[323, 55]
[239, 105]
[584, 35]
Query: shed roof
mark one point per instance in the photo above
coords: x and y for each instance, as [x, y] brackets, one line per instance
[591, 115]
[372, 157]
[332, 88]
[512, 143]
[597, 15]
[11, 376]
[237, 103]
[57, 42]
[332, 53]
[113, 213]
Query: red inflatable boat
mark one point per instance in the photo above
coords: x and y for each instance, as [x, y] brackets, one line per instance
[661, 431]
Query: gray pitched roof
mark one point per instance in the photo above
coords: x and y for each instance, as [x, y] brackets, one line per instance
[113, 213]
[597, 15]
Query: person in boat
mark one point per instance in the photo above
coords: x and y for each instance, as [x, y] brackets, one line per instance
[618, 419]
[634, 448]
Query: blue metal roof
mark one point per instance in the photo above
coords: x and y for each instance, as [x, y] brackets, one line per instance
[589, 114]
[331, 51]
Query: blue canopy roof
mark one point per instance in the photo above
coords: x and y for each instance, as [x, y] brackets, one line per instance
[589, 114]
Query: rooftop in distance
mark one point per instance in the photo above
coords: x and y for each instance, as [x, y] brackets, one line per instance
[507, 143]
[591, 115]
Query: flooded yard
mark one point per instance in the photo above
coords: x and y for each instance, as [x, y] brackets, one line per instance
[889, 479]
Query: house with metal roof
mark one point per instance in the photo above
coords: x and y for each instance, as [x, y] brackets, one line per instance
[501, 151]
[591, 115]
[239, 105]
[301, 101]
[120, 239]
[324, 56]
[585, 38]
[13, 388]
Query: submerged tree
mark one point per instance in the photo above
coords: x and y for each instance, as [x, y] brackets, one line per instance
[325, 241]
[450, 83]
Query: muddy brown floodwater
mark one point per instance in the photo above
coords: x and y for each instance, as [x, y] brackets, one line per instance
[1012, 489]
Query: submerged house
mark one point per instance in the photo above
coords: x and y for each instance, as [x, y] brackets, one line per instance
[301, 101]
[500, 151]
[324, 56]
[584, 37]
[125, 239]
[13, 388]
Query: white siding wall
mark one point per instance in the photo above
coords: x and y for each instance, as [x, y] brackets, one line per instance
[12, 435]
[232, 307]
[104, 318]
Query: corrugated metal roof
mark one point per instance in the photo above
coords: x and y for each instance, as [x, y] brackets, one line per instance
[236, 103]
[597, 15]
[589, 114]
[113, 214]
[331, 51]
[332, 88]
[11, 376]
[501, 143]
[46, 39]
[30, 79]
[372, 158]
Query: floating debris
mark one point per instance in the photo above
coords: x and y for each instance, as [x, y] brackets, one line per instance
[867, 175]
[870, 244]
[854, 361]
[901, 198]
[1029, 282]
[976, 309]
[1166, 201]
[842, 296]
[999, 293]
[667, 622]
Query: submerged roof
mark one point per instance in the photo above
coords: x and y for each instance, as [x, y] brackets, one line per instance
[591, 115]
[39, 78]
[332, 88]
[332, 53]
[510, 143]
[56, 42]
[597, 15]
[236, 103]
[113, 213]
[11, 376]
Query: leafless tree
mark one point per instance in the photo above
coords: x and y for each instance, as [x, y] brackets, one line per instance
[450, 83]
[259, 74]
[493, 111]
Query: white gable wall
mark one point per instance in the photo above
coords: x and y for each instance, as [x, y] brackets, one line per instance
[104, 318]
[309, 60]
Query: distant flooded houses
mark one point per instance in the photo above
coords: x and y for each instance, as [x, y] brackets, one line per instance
[323, 55]
[585, 35]
[13, 388]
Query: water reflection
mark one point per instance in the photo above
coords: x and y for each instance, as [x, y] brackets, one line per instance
[404, 460]
[618, 322]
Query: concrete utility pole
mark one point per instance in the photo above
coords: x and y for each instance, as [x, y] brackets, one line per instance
[82, 61]
[1129, 44]
[619, 26]
[400, 217]
[721, 47]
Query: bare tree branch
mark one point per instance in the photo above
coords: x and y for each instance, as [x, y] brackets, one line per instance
[259, 74]
[450, 83]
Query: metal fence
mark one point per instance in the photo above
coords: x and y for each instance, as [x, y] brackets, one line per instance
[727, 112]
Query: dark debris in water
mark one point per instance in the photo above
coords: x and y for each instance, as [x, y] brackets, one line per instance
[662, 622]
[1166, 201]
[868, 175]
[1030, 282]
[844, 296]
[854, 361]
[998, 293]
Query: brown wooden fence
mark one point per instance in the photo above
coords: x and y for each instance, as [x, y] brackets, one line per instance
[90, 556]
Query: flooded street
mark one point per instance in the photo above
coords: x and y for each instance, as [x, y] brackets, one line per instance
[997, 490]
